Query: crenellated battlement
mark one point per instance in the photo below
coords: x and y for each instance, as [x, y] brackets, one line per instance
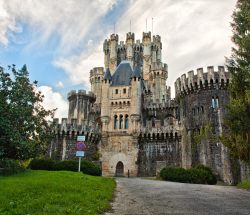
[202, 80]
[171, 104]
[96, 71]
[156, 39]
[73, 94]
[114, 37]
[146, 35]
[159, 66]
[130, 36]
[70, 127]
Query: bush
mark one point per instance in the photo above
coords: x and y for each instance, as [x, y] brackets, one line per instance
[10, 167]
[42, 164]
[87, 167]
[198, 175]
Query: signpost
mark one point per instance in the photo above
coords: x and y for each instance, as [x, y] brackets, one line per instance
[80, 148]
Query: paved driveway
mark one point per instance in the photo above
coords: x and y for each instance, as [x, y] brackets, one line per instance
[143, 196]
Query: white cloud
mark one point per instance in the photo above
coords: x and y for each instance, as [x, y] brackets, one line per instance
[78, 67]
[194, 33]
[54, 100]
[60, 84]
[70, 20]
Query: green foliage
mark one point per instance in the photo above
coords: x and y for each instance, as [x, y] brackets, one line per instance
[238, 120]
[245, 184]
[87, 167]
[24, 130]
[10, 167]
[197, 175]
[59, 192]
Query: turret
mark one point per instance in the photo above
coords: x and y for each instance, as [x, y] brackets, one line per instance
[129, 51]
[105, 107]
[96, 76]
[113, 52]
[146, 41]
[136, 91]
[106, 51]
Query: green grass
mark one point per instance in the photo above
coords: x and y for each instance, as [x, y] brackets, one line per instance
[59, 192]
[245, 184]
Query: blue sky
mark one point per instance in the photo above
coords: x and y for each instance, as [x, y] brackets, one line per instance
[60, 41]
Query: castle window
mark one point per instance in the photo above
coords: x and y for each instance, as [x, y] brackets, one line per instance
[124, 91]
[202, 109]
[116, 91]
[213, 102]
[126, 121]
[121, 122]
[98, 79]
[115, 122]
[217, 102]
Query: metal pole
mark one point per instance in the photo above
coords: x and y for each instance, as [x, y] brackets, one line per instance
[79, 165]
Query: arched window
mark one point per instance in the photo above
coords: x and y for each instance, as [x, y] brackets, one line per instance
[121, 122]
[213, 102]
[217, 102]
[126, 121]
[115, 122]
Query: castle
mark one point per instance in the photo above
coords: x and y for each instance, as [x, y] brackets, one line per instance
[132, 125]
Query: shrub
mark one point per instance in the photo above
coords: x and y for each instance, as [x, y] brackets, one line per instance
[10, 167]
[87, 167]
[42, 164]
[69, 165]
[198, 175]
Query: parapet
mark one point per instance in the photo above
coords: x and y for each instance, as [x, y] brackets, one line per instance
[114, 37]
[96, 71]
[70, 127]
[130, 36]
[146, 35]
[73, 94]
[156, 39]
[202, 80]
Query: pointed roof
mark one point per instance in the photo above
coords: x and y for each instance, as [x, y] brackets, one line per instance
[122, 74]
[137, 72]
[107, 75]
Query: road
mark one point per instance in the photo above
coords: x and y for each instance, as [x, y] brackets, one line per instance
[136, 196]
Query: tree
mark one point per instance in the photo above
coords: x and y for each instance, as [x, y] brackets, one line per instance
[238, 118]
[24, 130]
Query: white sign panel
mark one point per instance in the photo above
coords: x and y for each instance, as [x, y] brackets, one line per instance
[79, 153]
[80, 138]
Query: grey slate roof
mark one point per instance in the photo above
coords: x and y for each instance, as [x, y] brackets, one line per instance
[137, 72]
[107, 75]
[122, 74]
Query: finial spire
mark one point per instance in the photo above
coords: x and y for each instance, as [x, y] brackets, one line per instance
[152, 25]
[130, 26]
[146, 25]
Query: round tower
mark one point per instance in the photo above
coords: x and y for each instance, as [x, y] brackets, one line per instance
[113, 52]
[146, 41]
[96, 77]
[106, 51]
[129, 44]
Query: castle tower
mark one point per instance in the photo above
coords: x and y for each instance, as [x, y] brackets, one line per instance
[106, 51]
[146, 41]
[129, 44]
[136, 92]
[105, 113]
[96, 77]
[113, 52]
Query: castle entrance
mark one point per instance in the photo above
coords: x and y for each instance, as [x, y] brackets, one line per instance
[119, 171]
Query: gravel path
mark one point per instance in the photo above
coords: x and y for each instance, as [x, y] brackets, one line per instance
[143, 196]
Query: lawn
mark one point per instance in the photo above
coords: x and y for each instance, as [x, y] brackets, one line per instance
[55, 192]
[245, 184]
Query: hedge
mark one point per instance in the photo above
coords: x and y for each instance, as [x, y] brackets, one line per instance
[10, 167]
[197, 175]
[87, 167]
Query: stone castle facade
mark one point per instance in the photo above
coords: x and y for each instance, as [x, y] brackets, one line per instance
[132, 125]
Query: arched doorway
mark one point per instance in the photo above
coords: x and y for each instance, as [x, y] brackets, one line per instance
[119, 171]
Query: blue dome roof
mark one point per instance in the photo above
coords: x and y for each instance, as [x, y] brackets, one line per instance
[122, 74]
